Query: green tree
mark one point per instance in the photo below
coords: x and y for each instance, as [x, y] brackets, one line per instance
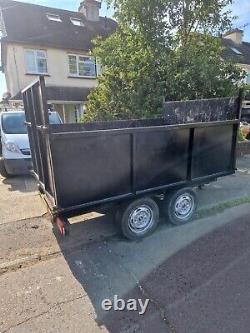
[198, 70]
[162, 49]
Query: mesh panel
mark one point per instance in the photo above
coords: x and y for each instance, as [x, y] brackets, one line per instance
[204, 110]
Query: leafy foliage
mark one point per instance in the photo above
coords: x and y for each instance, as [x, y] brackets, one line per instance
[199, 71]
[162, 49]
[241, 136]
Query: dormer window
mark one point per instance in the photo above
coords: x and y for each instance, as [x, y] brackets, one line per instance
[76, 21]
[54, 17]
[236, 51]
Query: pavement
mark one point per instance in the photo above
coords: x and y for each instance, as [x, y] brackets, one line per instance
[196, 276]
[19, 193]
[229, 188]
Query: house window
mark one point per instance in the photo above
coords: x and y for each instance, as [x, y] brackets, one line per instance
[82, 66]
[76, 21]
[53, 17]
[36, 62]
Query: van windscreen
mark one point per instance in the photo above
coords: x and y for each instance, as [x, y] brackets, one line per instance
[14, 123]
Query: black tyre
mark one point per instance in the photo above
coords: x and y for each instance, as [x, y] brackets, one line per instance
[179, 207]
[117, 213]
[139, 218]
[3, 171]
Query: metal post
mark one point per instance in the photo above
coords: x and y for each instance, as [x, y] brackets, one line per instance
[64, 114]
[236, 128]
[190, 154]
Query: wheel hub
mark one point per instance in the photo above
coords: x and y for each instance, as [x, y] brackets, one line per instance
[184, 206]
[141, 219]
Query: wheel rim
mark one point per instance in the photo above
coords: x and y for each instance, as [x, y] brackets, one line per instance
[141, 219]
[184, 206]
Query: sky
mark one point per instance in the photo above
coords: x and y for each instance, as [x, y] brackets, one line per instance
[240, 8]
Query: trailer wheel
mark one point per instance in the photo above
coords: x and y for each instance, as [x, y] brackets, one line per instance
[179, 206]
[139, 218]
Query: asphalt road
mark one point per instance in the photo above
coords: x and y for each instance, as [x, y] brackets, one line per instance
[197, 278]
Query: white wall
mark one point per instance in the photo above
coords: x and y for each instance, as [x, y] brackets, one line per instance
[58, 70]
[12, 74]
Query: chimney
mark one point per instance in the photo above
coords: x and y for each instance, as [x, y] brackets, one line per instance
[91, 9]
[235, 35]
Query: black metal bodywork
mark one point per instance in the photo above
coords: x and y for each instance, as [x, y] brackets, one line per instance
[83, 166]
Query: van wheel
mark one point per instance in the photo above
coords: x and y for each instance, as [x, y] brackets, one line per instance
[3, 170]
[139, 218]
[179, 207]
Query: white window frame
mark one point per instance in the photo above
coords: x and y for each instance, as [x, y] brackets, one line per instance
[53, 17]
[36, 57]
[75, 19]
[77, 66]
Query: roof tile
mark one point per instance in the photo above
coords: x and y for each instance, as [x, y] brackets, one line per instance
[28, 23]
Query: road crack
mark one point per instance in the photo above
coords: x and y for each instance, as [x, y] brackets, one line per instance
[145, 293]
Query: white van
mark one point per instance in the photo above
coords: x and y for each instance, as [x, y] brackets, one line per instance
[16, 155]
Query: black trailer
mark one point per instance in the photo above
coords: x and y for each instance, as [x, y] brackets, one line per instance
[133, 166]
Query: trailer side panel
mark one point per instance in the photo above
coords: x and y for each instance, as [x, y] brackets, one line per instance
[91, 168]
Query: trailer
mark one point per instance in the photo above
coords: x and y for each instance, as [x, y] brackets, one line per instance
[137, 168]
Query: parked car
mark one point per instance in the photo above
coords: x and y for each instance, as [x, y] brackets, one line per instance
[16, 155]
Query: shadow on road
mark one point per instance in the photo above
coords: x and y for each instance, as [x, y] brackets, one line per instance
[24, 184]
[184, 271]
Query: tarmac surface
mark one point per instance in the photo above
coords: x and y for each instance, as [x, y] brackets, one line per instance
[197, 278]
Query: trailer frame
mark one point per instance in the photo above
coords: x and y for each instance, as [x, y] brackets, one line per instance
[46, 138]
